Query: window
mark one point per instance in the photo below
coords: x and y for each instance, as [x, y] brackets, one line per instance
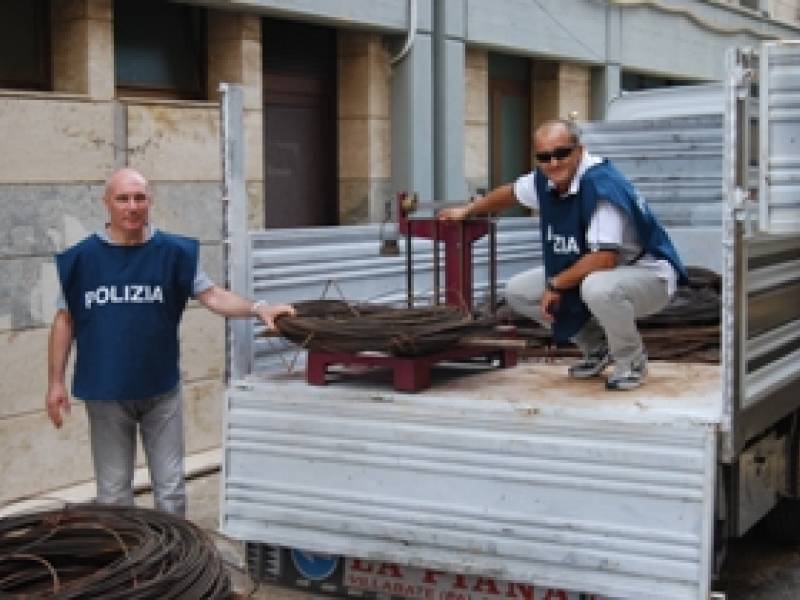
[25, 44]
[159, 49]
[633, 81]
[759, 5]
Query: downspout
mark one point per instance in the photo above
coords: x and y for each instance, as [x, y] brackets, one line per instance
[411, 33]
[439, 84]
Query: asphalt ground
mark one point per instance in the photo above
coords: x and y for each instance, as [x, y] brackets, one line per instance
[756, 569]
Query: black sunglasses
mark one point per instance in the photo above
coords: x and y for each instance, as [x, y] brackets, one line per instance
[557, 153]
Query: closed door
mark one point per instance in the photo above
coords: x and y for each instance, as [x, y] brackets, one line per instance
[509, 121]
[299, 125]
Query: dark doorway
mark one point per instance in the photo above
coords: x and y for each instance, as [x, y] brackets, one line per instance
[509, 120]
[300, 186]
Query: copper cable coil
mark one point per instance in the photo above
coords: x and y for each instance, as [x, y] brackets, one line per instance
[339, 326]
[92, 551]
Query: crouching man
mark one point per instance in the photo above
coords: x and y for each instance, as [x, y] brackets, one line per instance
[607, 259]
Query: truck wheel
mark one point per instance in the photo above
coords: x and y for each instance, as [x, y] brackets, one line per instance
[782, 524]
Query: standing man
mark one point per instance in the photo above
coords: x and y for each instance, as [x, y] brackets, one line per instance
[607, 259]
[124, 290]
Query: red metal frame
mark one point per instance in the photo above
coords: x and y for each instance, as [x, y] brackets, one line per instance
[412, 374]
[458, 238]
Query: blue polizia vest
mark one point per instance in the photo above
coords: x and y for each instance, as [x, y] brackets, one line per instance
[564, 222]
[126, 304]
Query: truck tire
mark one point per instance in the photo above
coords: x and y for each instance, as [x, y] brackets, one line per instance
[782, 524]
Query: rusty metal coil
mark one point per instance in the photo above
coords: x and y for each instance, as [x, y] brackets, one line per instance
[92, 551]
[338, 326]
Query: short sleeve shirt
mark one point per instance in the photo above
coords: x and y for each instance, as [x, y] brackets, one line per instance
[609, 228]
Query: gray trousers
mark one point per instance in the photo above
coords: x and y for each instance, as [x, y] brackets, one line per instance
[112, 431]
[615, 297]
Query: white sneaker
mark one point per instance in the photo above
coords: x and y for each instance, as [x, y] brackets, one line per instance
[591, 365]
[628, 376]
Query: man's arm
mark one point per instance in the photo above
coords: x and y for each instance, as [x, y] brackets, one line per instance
[588, 263]
[229, 304]
[605, 236]
[57, 400]
[494, 202]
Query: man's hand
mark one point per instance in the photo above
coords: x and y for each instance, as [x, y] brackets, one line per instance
[549, 304]
[454, 213]
[267, 313]
[57, 402]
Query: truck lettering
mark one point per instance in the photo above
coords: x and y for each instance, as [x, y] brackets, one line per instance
[525, 590]
[360, 565]
[390, 570]
[359, 581]
[491, 586]
[431, 576]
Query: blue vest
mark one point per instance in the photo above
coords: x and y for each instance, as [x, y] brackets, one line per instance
[564, 222]
[126, 304]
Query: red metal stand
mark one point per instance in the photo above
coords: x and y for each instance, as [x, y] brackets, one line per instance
[412, 374]
[458, 238]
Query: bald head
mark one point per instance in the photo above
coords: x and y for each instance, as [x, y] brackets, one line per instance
[559, 127]
[120, 177]
[128, 200]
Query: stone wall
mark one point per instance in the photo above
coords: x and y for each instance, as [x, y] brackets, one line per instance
[58, 148]
[364, 129]
[476, 117]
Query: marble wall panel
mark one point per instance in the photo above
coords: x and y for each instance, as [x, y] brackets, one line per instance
[23, 357]
[188, 208]
[35, 457]
[28, 291]
[43, 219]
[23, 360]
[55, 140]
[364, 200]
[202, 345]
[174, 143]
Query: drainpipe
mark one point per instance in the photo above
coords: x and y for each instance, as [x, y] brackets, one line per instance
[439, 95]
[411, 32]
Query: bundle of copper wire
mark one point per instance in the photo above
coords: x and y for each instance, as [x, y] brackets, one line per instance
[92, 551]
[339, 326]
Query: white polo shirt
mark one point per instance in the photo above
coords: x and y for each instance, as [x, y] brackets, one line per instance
[609, 228]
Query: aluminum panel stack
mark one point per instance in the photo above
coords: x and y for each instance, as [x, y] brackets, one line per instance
[779, 189]
[582, 491]
[676, 163]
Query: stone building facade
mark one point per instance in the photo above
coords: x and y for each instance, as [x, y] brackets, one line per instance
[327, 89]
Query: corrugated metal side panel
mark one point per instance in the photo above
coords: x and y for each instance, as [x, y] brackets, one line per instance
[679, 101]
[297, 264]
[676, 163]
[773, 322]
[766, 245]
[610, 508]
[779, 191]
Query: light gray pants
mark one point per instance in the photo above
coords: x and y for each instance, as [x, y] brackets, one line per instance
[615, 297]
[112, 431]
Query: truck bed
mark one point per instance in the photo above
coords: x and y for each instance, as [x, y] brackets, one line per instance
[517, 474]
[673, 392]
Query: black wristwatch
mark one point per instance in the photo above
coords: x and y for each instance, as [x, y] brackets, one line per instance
[550, 285]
